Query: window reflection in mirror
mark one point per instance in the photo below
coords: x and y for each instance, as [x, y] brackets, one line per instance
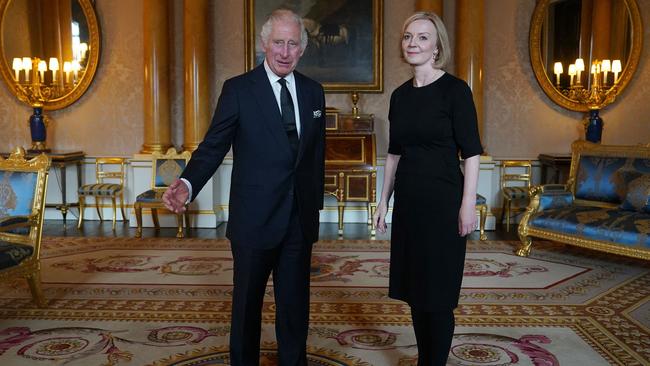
[54, 32]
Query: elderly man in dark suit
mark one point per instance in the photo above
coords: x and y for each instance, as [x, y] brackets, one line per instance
[274, 119]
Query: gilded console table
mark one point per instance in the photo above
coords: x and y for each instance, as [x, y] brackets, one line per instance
[350, 162]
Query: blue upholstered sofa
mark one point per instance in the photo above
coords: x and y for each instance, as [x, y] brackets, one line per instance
[604, 205]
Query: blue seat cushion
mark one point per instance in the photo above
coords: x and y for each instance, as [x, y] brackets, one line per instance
[604, 224]
[150, 196]
[100, 189]
[637, 197]
[555, 199]
[515, 193]
[12, 254]
[598, 179]
[480, 200]
[604, 179]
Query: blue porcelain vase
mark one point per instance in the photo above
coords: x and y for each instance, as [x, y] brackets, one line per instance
[594, 128]
[38, 130]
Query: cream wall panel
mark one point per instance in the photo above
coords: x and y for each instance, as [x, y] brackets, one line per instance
[107, 120]
[520, 121]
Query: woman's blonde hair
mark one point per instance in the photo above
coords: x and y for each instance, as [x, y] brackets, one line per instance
[444, 50]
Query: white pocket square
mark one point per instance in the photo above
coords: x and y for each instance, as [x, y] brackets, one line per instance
[317, 113]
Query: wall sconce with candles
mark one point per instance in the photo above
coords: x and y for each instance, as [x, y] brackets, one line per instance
[597, 93]
[34, 89]
[597, 89]
[63, 41]
[607, 37]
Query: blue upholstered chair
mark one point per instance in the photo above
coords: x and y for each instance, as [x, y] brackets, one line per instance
[110, 173]
[481, 206]
[515, 184]
[165, 169]
[22, 200]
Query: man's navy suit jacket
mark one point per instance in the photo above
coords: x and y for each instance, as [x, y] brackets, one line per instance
[265, 175]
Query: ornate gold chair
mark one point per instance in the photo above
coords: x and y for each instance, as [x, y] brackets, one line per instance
[112, 169]
[515, 184]
[22, 201]
[165, 169]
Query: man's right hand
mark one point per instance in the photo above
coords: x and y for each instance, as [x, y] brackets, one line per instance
[175, 196]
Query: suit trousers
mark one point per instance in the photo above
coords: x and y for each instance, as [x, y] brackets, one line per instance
[290, 264]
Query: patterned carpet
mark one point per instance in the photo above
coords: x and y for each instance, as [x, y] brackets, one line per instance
[164, 301]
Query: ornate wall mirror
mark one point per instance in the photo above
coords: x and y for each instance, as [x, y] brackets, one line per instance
[50, 43]
[585, 52]
[50, 52]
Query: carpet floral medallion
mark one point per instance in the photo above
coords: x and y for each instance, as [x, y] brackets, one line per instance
[166, 301]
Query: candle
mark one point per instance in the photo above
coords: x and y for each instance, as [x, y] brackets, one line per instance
[67, 67]
[54, 66]
[572, 73]
[605, 66]
[580, 67]
[17, 66]
[557, 68]
[27, 66]
[616, 68]
[42, 67]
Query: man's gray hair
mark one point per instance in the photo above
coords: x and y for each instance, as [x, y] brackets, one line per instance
[284, 15]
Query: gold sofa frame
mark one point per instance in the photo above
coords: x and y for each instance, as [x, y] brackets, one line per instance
[30, 268]
[579, 148]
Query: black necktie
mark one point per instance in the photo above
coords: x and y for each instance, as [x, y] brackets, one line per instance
[288, 116]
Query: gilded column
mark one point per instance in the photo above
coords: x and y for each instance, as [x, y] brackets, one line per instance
[434, 6]
[469, 50]
[620, 35]
[195, 61]
[51, 30]
[65, 19]
[157, 121]
[601, 29]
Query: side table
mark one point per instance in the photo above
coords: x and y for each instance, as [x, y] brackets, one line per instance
[559, 164]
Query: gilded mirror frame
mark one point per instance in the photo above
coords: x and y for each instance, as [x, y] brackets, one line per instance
[91, 66]
[535, 39]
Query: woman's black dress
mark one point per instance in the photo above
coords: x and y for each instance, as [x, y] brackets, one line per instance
[429, 126]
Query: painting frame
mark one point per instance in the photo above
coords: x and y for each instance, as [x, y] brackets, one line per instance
[372, 80]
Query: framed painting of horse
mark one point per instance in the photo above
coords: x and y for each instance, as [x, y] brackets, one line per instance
[344, 52]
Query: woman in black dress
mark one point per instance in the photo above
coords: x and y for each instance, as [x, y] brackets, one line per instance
[432, 119]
